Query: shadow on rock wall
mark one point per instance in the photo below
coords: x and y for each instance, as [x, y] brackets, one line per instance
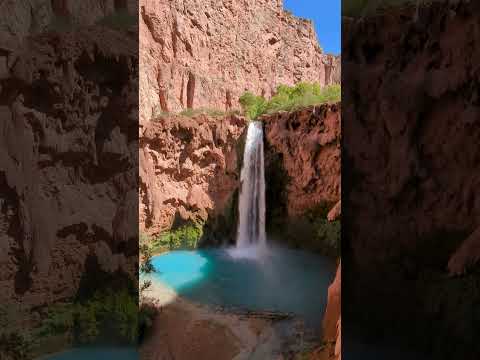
[410, 163]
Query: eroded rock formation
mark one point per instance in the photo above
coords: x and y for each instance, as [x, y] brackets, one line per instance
[410, 195]
[206, 54]
[307, 143]
[189, 169]
[68, 163]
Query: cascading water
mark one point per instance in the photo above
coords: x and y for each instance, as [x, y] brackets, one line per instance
[251, 227]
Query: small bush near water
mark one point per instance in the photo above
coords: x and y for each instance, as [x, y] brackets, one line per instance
[15, 342]
[327, 233]
[289, 98]
[185, 237]
[109, 315]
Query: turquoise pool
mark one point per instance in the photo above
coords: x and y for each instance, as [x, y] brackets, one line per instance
[282, 280]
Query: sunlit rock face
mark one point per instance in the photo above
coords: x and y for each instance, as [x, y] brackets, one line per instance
[206, 54]
[189, 169]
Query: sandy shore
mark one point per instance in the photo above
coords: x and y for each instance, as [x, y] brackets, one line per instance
[184, 330]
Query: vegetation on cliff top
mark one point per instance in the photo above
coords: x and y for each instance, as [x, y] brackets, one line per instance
[289, 98]
[109, 316]
[158, 113]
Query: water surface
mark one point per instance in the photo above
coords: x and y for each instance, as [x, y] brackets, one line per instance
[281, 280]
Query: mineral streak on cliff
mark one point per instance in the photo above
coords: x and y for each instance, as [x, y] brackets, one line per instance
[197, 54]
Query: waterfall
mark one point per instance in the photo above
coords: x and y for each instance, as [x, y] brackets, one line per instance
[251, 227]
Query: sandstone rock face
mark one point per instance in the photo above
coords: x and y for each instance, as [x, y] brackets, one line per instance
[308, 142]
[68, 163]
[411, 133]
[189, 169]
[207, 53]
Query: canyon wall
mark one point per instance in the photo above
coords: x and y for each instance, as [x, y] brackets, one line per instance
[303, 176]
[307, 142]
[206, 55]
[189, 169]
[68, 165]
[196, 54]
[411, 164]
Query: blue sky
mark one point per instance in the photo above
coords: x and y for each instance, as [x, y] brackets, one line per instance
[326, 17]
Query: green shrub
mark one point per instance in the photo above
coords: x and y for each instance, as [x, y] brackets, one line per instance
[16, 342]
[108, 314]
[59, 319]
[289, 98]
[146, 252]
[327, 234]
[15, 345]
[184, 238]
[199, 111]
[252, 105]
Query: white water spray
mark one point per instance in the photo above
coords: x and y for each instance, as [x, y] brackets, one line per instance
[251, 227]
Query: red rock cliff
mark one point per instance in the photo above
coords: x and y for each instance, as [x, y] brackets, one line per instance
[308, 142]
[189, 169]
[206, 54]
